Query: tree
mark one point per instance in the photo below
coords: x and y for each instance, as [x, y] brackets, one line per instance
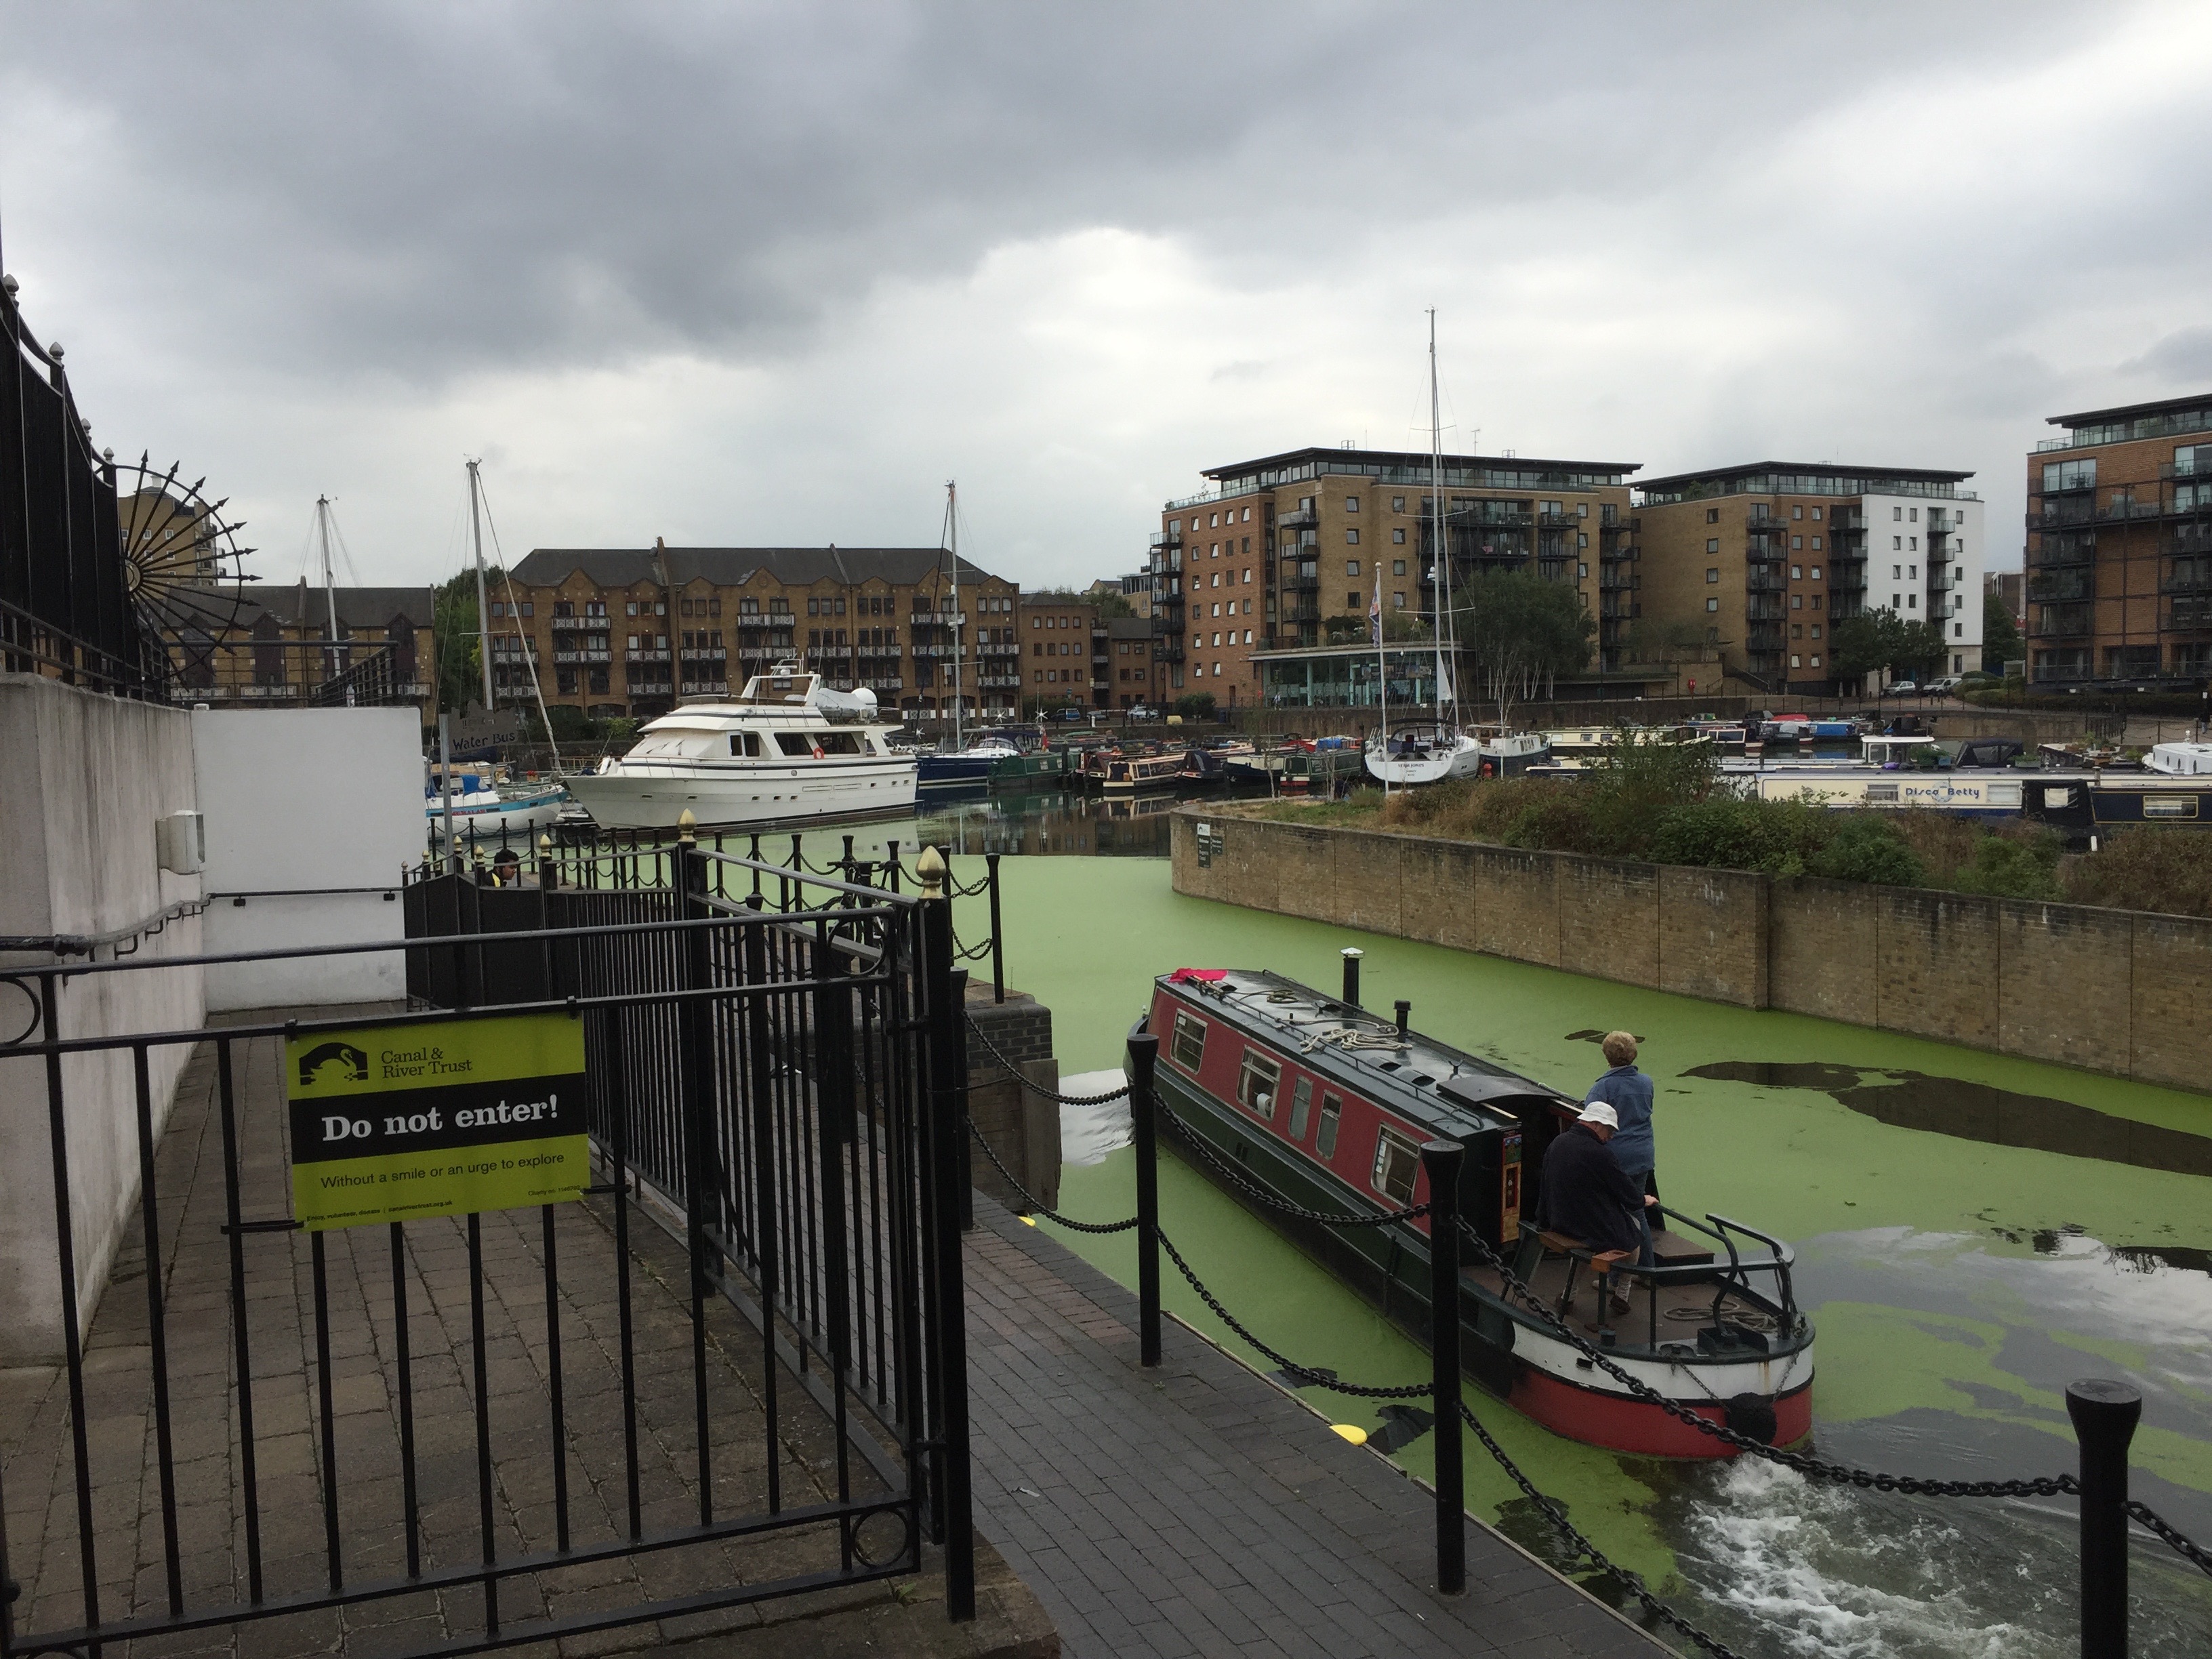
[453, 624]
[1195, 705]
[1875, 640]
[1519, 633]
[1919, 649]
[2000, 636]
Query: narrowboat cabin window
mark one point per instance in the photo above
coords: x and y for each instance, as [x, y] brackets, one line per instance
[1331, 1110]
[1396, 1162]
[1301, 1108]
[2169, 806]
[1255, 1083]
[1189, 1046]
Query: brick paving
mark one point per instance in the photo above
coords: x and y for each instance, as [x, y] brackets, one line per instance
[1198, 1509]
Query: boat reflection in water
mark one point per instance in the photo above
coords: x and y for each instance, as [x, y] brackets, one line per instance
[1053, 823]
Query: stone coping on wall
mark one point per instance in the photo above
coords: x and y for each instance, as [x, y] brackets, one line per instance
[2118, 992]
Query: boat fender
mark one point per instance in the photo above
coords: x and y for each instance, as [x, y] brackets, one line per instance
[1752, 1415]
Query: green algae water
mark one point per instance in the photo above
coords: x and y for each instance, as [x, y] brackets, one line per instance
[1957, 1284]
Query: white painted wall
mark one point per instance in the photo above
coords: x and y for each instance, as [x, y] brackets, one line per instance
[83, 778]
[1898, 573]
[308, 800]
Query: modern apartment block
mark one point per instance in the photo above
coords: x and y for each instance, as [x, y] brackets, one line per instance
[1766, 558]
[1064, 650]
[2119, 544]
[628, 631]
[1281, 548]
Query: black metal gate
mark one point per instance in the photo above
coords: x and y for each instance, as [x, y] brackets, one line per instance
[734, 1371]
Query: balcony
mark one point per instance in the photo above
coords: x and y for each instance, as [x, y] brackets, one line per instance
[703, 687]
[1000, 648]
[703, 654]
[1304, 519]
[1162, 539]
[562, 623]
[1764, 637]
[1167, 652]
[1301, 578]
[2191, 577]
[1848, 581]
[2058, 512]
[1843, 520]
[1169, 622]
[1762, 582]
[1610, 581]
[1300, 611]
[2064, 587]
[651, 688]
[2058, 621]
[2191, 614]
[1759, 609]
[642, 656]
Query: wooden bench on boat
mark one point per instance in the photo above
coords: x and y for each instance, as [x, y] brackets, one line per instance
[1668, 1249]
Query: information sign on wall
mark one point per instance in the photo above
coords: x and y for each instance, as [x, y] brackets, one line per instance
[401, 1122]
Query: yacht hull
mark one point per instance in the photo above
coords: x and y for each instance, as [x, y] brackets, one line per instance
[741, 796]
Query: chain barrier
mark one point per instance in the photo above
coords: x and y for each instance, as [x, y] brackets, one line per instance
[1036, 1206]
[1245, 1182]
[1038, 1090]
[1812, 1468]
[1631, 1582]
[1304, 1376]
[2179, 1542]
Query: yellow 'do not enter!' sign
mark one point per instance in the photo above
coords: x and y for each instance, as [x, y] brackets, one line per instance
[401, 1122]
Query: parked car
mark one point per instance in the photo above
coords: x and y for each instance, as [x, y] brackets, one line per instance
[1069, 714]
[1944, 687]
[1141, 713]
[1902, 689]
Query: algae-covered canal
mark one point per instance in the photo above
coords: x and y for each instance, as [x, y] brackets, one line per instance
[1957, 1285]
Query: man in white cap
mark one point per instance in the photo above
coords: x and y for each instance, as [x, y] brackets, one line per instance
[1587, 1195]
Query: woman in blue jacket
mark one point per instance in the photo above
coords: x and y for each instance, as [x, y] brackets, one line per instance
[1628, 1091]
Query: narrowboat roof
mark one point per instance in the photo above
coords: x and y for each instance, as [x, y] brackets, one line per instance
[1453, 1092]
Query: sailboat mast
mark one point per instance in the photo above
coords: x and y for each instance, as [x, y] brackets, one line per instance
[1437, 518]
[952, 544]
[483, 614]
[330, 586]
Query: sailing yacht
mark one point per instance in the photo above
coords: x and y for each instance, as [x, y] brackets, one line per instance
[1435, 750]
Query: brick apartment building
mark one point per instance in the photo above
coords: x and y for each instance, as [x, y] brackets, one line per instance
[1766, 558]
[627, 632]
[1284, 553]
[1063, 651]
[279, 654]
[2119, 544]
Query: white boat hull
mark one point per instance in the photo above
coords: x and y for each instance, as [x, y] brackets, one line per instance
[1461, 759]
[512, 819]
[634, 795]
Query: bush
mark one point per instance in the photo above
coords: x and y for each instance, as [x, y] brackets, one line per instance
[1195, 705]
[1867, 847]
[2151, 868]
[1775, 836]
[2008, 867]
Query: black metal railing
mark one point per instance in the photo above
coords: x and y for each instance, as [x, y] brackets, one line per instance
[778, 1092]
[65, 605]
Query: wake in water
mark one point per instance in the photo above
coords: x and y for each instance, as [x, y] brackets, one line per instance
[1784, 1565]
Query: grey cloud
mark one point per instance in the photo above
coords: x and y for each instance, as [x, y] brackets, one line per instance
[2185, 354]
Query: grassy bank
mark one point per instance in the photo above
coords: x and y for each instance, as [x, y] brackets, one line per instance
[1658, 804]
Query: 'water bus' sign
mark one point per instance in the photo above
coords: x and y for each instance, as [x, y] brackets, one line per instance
[401, 1122]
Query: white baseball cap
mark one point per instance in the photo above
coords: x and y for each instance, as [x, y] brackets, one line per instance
[1596, 1111]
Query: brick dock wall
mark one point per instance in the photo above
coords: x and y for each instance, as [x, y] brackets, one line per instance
[2111, 991]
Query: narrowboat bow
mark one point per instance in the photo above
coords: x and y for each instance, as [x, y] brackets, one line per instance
[1327, 1107]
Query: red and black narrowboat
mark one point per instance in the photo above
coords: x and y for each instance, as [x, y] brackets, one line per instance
[1327, 1107]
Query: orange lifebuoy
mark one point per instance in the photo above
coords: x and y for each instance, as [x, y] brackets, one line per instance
[818, 751]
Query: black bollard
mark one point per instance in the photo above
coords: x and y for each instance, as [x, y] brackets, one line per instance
[1352, 953]
[1405, 1015]
[998, 933]
[1144, 1056]
[1441, 1161]
[2105, 1416]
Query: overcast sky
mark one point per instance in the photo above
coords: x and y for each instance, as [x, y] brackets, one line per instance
[770, 273]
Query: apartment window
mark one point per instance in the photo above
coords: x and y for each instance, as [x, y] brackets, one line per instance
[1352, 602]
[1581, 511]
[1397, 567]
[1797, 542]
[1351, 567]
[1351, 537]
[1712, 572]
[1331, 1108]
[528, 608]
[1396, 1162]
[1397, 601]
[1248, 636]
[1795, 661]
[1816, 629]
[1397, 503]
[1913, 514]
[595, 607]
[1712, 515]
[2070, 475]
[1816, 659]
[1912, 544]
[1582, 571]
[1816, 598]
[1247, 549]
[1816, 543]
[1796, 601]
[1217, 610]
[1896, 514]
[1581, 540]
[1912, 573]
[1214, 521]
[1712, 544]
[1796, 512]
[1913, 602]
[1248, 575]
[1248, 515]
[814, 607]
[632, 609]
[1712, 605]
[1399, 537]
[1816, 518]
[1958, 630]
[1796, 573]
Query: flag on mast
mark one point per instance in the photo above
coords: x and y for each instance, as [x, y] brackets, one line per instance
[1375, 609]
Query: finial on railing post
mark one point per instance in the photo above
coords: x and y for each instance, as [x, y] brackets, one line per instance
[549, 872]
[932, 870]
[687, 828]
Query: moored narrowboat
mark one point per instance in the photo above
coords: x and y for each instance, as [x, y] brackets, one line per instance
[1327, 1107]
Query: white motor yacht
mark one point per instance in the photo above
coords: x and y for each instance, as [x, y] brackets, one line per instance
[787, 750]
